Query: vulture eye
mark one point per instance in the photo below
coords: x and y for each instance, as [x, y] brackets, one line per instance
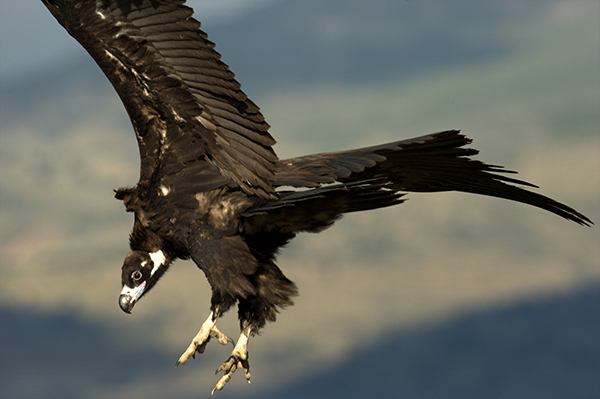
[136, 275]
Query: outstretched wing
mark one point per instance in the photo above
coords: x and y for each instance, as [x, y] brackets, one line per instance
[184, 103]
[436, 162]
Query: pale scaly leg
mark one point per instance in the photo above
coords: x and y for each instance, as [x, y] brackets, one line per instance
[207, 331]
[238, 359]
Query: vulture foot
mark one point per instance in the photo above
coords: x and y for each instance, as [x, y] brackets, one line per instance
[237, 360]
[207, 331]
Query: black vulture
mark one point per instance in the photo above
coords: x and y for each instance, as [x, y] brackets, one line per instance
[211, 187]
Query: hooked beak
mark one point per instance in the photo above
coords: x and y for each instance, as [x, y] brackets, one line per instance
[129, 296]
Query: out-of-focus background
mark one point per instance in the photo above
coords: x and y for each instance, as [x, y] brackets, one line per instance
[446, 296]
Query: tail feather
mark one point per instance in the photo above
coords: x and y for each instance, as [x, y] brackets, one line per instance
[372, 177]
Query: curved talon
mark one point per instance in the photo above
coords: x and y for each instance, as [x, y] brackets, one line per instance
[222, 338]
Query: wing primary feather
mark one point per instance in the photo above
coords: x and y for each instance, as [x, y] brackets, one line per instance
[164, 67]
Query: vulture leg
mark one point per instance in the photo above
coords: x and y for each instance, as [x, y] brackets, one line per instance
[238, 359]
[273, 290]
[207, 331]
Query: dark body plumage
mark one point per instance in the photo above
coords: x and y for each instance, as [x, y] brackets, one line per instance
[211, 187]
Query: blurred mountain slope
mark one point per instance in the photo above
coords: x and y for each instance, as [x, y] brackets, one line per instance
[547, 348]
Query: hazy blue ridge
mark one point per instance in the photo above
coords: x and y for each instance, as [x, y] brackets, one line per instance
[356, 42]
[539, 349]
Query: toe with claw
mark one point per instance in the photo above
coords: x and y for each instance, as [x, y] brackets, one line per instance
[229, 367]
[207, 331]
